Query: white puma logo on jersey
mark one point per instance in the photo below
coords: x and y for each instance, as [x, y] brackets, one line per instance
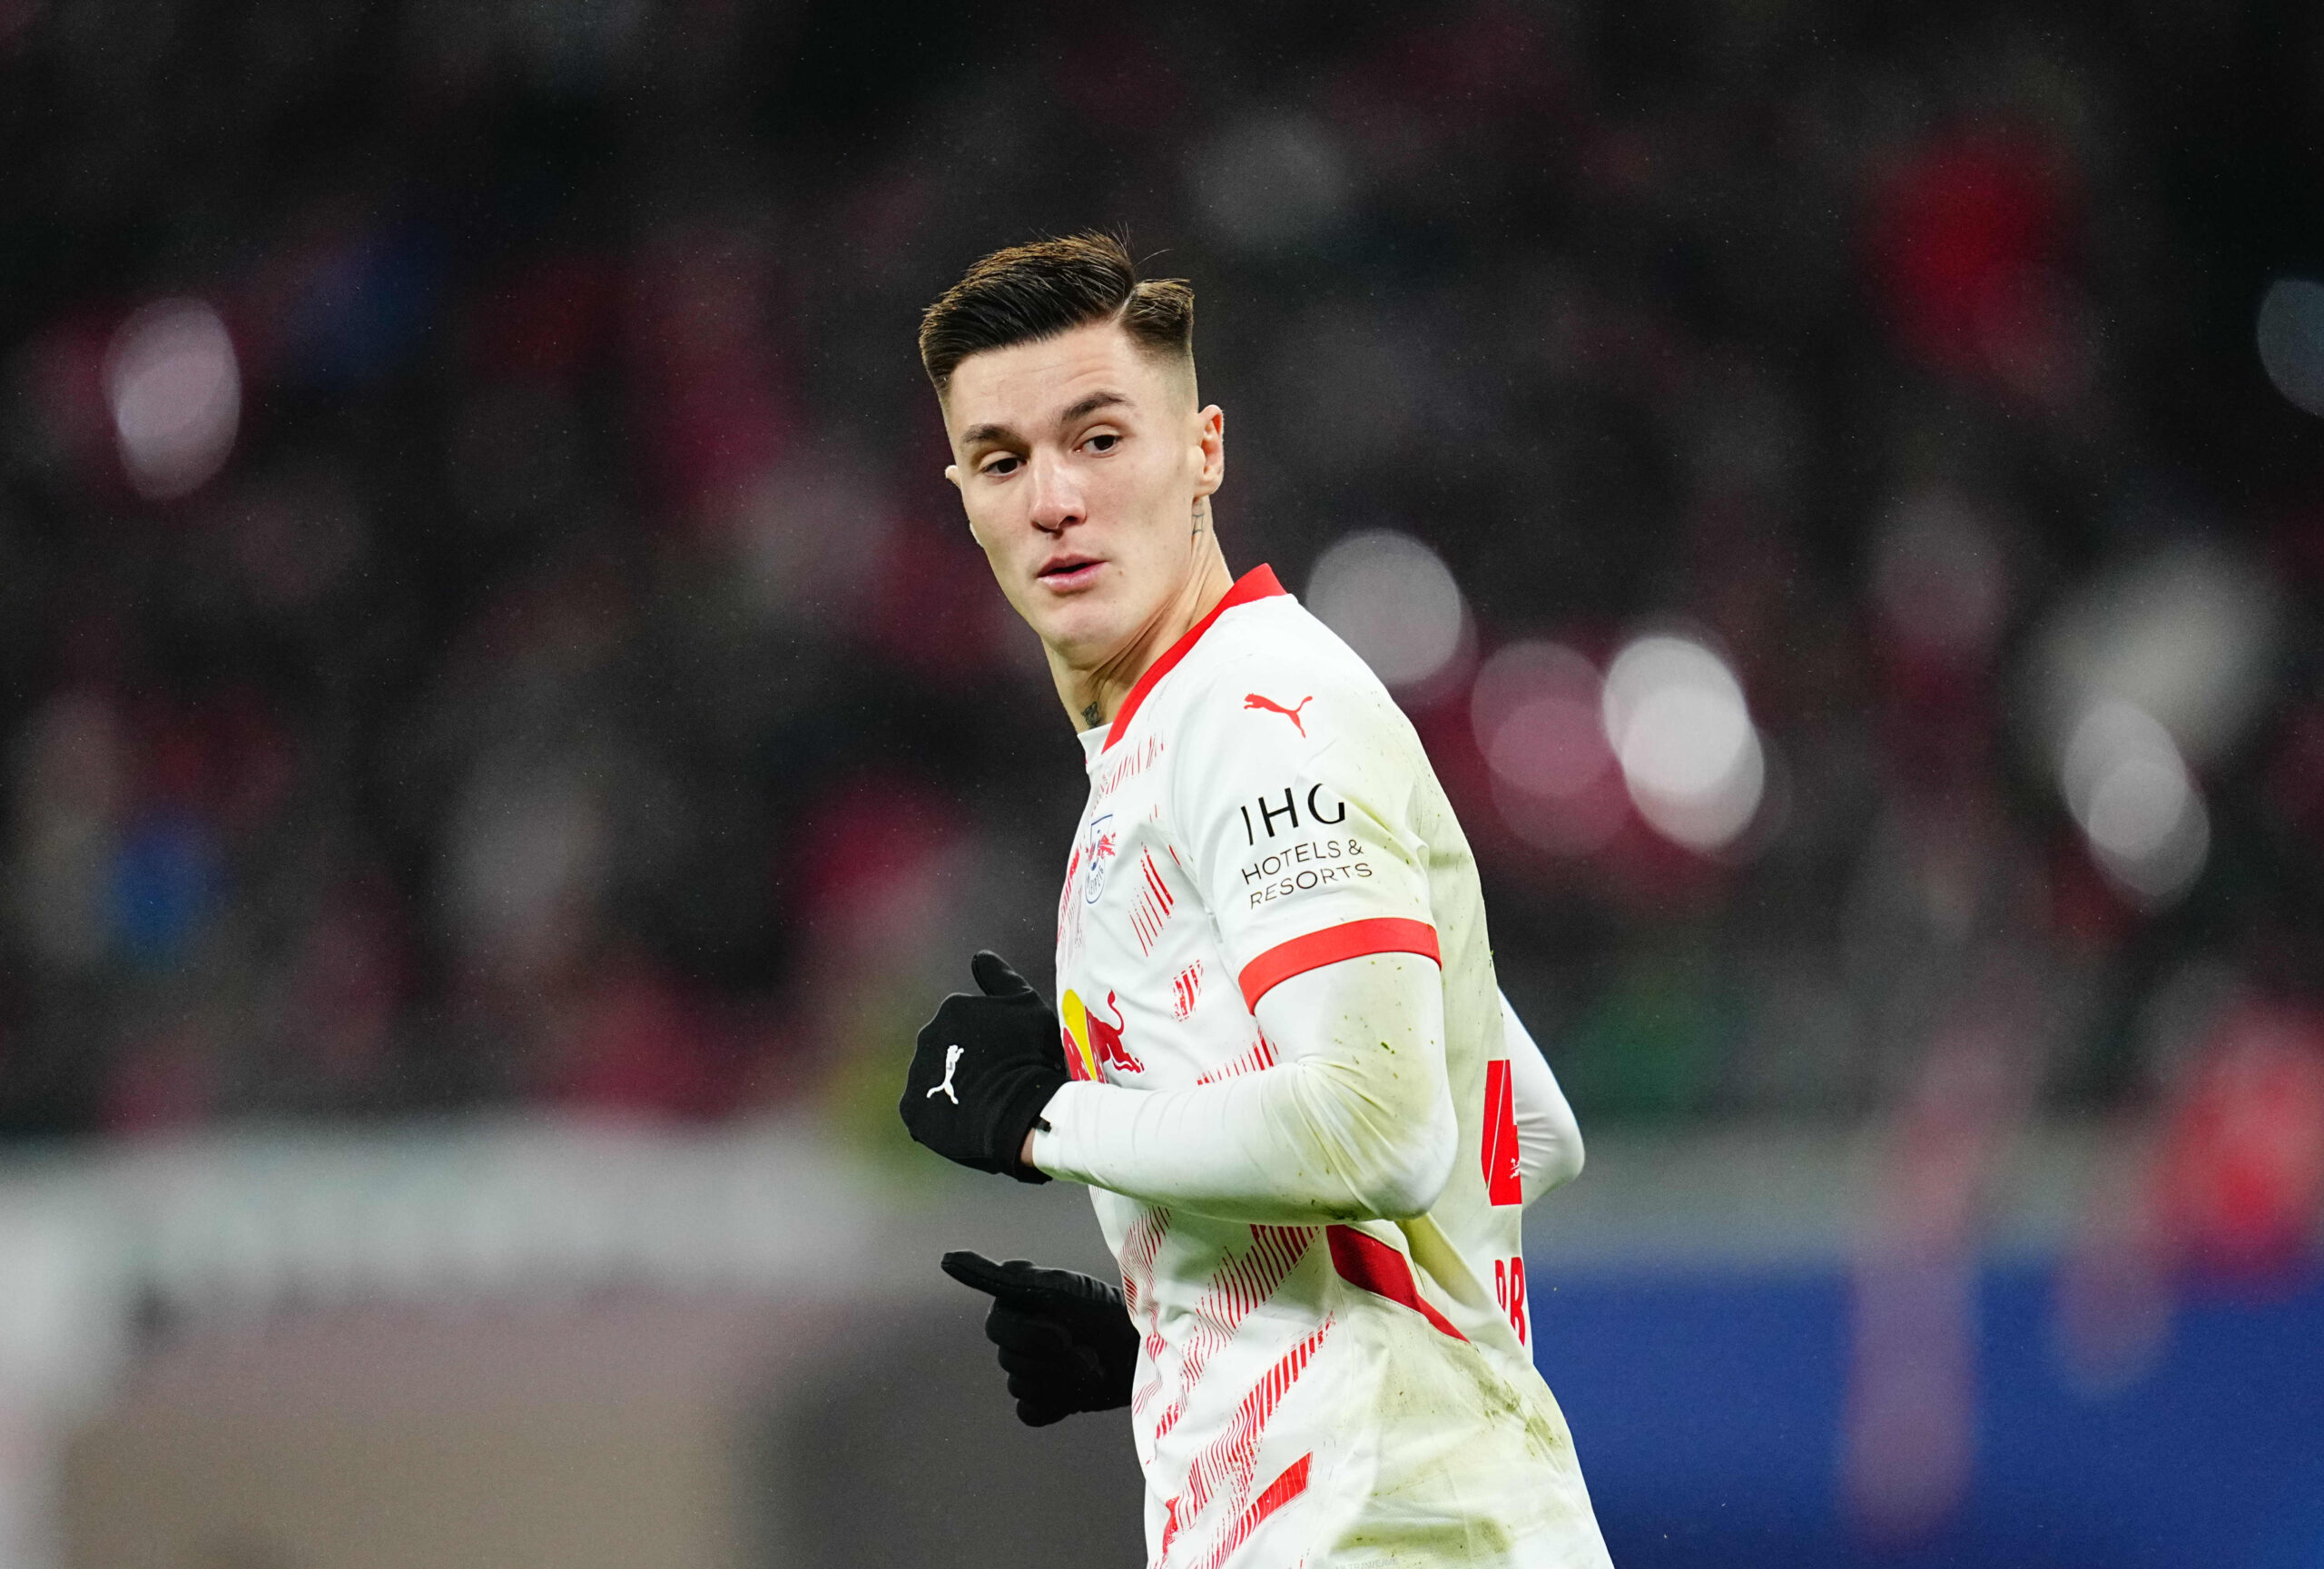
[951, 1060]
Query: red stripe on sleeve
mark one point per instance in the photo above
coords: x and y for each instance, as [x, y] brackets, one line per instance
[1368, 1262]
[1384, 934]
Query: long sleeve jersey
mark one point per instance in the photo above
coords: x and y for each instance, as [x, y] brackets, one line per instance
[1308, 1121]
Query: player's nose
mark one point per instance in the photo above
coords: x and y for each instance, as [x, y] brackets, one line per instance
[1057, 500]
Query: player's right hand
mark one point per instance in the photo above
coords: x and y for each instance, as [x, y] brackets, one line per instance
[983, 1069]
[1066, 1340]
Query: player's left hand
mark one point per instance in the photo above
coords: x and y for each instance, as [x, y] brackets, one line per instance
[983, 1069]
[1065, 1339]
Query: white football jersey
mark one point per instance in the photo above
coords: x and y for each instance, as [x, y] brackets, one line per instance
[1312, 1391]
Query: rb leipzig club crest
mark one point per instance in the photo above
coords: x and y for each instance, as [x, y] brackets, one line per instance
[1097, 847]
[1090, 1043]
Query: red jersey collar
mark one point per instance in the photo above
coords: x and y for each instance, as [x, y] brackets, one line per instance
[1258, 583]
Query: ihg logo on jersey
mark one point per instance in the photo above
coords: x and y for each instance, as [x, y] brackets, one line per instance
[1303, 860]
[1283, 817]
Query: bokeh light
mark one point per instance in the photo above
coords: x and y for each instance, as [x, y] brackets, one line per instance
[2185, 635]
[1395, 601]
[2291, 335]
[2129, 788]
[1675, 716]
[175, 393]
[2244, 1149]
[1535, 712]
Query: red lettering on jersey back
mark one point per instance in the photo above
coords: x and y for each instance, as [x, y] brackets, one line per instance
[1509, 1290]
[1504, 1183]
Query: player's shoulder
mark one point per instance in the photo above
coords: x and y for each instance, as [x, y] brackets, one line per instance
[1273, 666]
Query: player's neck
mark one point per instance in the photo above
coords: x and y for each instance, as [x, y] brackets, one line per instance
[1093, 697]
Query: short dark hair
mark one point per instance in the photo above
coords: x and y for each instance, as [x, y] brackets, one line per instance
[1027, 292]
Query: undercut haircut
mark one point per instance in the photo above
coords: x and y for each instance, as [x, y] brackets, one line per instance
[1029, 292]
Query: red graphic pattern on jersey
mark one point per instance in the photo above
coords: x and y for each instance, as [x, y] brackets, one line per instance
[1241, 1284]
[1139, 761]
[1224, 1467]
[1154, 1345]
[1151, 908]
[1505, 1179]
[1366, 1262]
[1065, 896]
[1280, 1492]
[1256, 1060]
[1185, 989]
[1139, 1245]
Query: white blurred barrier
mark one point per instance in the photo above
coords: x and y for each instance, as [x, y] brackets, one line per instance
[254, 1226]
[250, 1224]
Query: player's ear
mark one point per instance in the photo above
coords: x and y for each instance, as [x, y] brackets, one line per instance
[1212, 438]
[952, 472]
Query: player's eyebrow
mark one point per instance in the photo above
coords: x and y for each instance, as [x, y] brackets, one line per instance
[989, 435]
[1002, 436]
[1090, 405]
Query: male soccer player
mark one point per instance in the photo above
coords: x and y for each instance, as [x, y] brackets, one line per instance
[1280, 1060]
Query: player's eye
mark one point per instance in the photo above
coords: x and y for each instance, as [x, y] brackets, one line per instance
[999, 467]
[1103, 442]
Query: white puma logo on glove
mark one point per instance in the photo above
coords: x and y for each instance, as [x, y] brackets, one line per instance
[951, 1060]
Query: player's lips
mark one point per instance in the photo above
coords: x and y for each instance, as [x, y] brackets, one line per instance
[1065, 574]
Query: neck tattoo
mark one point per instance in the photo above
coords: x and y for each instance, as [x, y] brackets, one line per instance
[1091, 715]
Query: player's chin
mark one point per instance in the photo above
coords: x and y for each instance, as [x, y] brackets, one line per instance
[1083, 627]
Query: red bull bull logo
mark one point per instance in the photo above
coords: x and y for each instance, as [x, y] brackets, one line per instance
[1091, 1044]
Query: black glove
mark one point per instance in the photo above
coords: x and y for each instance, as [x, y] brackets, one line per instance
[1066, 1340]
[983, 1069]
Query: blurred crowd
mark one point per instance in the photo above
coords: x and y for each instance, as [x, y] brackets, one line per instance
[483, 624]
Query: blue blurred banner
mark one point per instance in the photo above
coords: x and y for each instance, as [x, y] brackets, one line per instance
[1710, 1409]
